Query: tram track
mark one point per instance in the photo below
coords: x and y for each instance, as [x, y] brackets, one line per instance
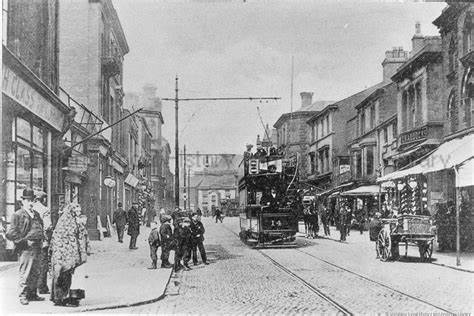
[343, 310]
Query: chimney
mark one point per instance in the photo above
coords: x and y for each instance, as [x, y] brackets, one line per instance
[306, 98]
[393, 60]
[417, 41]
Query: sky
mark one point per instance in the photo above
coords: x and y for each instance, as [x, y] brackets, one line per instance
[232, 48]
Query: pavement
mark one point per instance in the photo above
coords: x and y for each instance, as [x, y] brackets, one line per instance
[445, 259]
[113, 276]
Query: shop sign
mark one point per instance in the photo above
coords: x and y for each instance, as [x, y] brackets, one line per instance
[20, 91]
[344, 169]
[78, 163]
[415, 135]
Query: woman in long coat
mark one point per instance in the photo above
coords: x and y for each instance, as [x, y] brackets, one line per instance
[69, 249]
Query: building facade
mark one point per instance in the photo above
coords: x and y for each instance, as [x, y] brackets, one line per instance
[34, 118]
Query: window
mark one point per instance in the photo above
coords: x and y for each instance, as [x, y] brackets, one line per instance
[394, 131]
[5, 21]
[327, 125]
[323, 130]
[328, 167]
[468, 96]
[418, 105]
[372, 116]
[468, 35]
[451, 55]
[312, 163]
[369, 160]
[411, 108]
[452, 113]
[404, 114]
[357, 163]
[385, 135]
[362, 122]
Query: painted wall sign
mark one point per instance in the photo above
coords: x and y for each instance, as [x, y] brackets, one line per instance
[20, 91]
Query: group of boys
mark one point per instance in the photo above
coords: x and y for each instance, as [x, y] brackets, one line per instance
[185, 236]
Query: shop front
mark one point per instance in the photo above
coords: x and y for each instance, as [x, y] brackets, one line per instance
[440, 185]
[33, 120]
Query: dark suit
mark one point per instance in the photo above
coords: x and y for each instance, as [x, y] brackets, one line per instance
[166, 234]
[197, 229]
[27, 234]
[120, 220]
[270, 200]
[133, 226]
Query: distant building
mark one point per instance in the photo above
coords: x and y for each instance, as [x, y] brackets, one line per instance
[293, 134]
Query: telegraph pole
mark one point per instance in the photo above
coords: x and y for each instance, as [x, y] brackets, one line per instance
[176, 143]
[189, 189]
[184, 179]
[176, 146]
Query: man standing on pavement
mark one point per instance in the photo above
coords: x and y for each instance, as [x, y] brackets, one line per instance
[154, 241]
[120, 220]
[166, 234]
[342, 223]
[218, 214]
[45, 214]
[133, 225]
[186, 242]
[197, 230]
[375, 226]
[26, 232]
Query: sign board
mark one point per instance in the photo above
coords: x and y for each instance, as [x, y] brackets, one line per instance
[344, 168]
[25, 95]
[414, 135]
[253, 166]
[78, 163]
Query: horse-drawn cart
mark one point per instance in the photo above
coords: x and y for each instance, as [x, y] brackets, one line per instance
[410, 229]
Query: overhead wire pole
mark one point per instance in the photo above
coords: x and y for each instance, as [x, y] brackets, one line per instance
[176, 143]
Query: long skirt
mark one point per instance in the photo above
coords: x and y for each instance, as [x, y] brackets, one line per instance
[61, 286]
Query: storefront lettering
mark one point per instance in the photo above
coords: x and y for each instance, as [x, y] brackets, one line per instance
[414, 135]
[20, 91]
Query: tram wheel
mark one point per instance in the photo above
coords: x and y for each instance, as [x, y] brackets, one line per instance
[384, 245]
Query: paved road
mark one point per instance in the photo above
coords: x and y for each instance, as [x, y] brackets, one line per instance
[295, 281]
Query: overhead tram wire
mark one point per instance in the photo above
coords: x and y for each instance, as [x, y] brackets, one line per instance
[176, 100]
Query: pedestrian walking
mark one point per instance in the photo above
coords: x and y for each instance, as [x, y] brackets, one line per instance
[375, 226]
[166, 235]
[218, 214]
[325, 219]
[154, 242]
[45, 214]
[197, 230]
[120, 220]
[342, 220]
[69, 249]
[133, 219]
[143, 215]
[26, 232]
[199, 213]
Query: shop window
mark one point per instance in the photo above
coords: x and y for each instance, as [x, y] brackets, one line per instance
[31, 157]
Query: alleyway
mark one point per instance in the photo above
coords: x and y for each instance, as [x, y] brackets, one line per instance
[318, 276]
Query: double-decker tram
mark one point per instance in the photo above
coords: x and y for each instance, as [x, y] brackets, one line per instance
[268, 202]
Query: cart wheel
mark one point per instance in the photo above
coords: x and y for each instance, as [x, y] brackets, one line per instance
[384, 244]
[426, 250]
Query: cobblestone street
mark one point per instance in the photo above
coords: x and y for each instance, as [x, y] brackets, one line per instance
[241, 280]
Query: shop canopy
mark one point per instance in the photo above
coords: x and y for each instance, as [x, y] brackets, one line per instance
[367, 190]
[448, 155]
[465, 174]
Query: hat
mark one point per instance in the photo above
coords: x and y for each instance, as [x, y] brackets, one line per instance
[28, 194]
[186, 220]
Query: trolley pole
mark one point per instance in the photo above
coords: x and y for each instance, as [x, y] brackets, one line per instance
[185, 198]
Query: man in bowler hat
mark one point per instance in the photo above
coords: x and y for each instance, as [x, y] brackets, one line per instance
[133, 218]
[120, 220]
[26, 232]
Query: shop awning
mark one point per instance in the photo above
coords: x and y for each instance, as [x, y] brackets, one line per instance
[366, 190]
[465, 174]
[334, 190]
[448, 155]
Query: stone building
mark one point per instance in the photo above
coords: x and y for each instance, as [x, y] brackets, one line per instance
[328, 155]
[34, 118]
[292, 132]
[420, 99]
[92, 46]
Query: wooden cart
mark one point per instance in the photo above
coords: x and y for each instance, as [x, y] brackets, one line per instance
[410, 229]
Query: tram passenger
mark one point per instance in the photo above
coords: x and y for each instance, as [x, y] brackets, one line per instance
[272, 199]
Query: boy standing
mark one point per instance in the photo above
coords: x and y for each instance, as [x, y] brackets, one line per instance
[154, 242]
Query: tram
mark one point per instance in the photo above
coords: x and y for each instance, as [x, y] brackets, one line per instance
[268, 202]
